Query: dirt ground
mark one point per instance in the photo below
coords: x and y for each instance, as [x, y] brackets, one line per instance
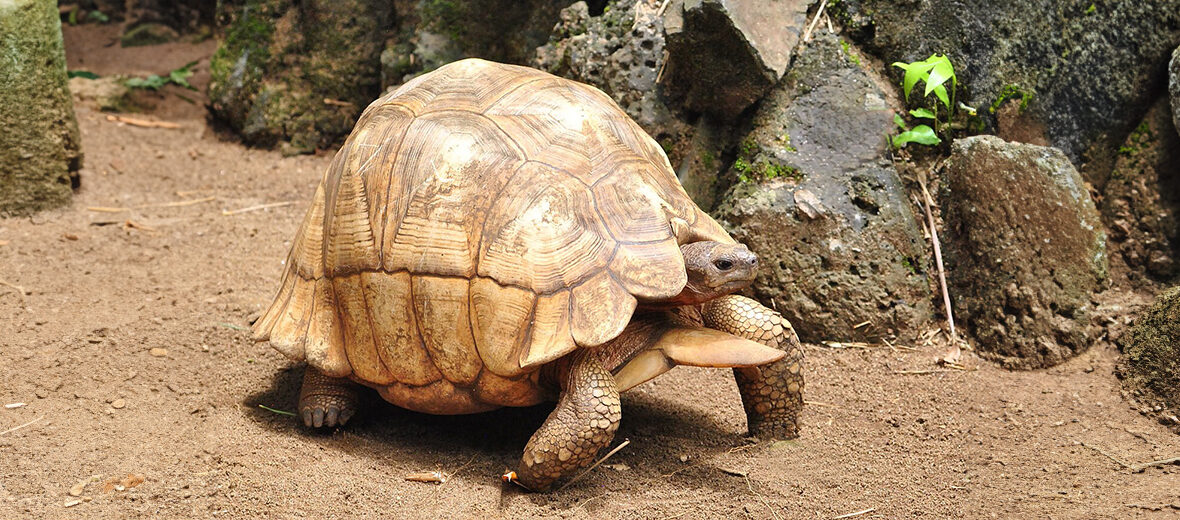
[129, 347]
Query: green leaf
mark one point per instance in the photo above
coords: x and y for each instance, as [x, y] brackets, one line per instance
[941, 71]
[180, 76]
[153, 82]
[914, 72]
[81, 74]
[73, 18]
[98, 16]
[941, 93]
[920, 134]
[899, 121]
[924, 113]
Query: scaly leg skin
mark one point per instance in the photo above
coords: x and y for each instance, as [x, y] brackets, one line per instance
[326, 401]
[772, 394]
[584, 422]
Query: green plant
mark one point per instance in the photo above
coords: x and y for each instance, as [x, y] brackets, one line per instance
[935, 72]
[1011, 91]
[98, 16]
[155, 82]
[81, 74]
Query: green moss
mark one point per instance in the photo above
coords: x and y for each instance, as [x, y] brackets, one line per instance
[1152, 353]
[1012, 91]
[909, 264]
[445, 17]
[708, 159]
[848, 52]
[667, 144]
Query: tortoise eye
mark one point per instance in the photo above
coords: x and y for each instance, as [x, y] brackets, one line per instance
[723, 264]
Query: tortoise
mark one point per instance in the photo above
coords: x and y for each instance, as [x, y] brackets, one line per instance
[492, 235]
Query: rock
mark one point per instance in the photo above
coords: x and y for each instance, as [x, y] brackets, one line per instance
[278, 60]
[1024, 250]
[118, 404]
[1174, 87]
[1089, 70]
[39, 147]
[158, 352]
[1151, 353]
[1141, 200]
[824, 209]
[148, 34]
[621, 51]
[723, 55]
[436, 32]
[77, 489]
[108, 93]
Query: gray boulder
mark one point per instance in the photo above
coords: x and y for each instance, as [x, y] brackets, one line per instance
[824, 209]
[39, 148]
[1024, 250]
[1151, 351]
[723, 55]
[279, 60]
[621, 51]
[1141, 201]
[1088, 70]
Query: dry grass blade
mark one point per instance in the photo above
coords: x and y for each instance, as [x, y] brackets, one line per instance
[595, 465]
[20, 291]
[750, 486]
[811, 26]
[1116, 460]
[337, 102]
[259, 207]
[663, 6]
[858, 513]
[1138, 468]
[177, 204]
[131, 224]
[144, 123]
[946, 296]
[15, 428]
[105, 209]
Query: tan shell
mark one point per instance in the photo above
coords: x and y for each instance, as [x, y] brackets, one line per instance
[483, 218]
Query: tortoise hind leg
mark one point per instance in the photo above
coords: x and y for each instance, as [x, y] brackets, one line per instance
[584, 422]
[772, 394]
[326, 401]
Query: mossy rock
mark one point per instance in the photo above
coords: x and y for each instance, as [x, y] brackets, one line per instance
[39, 145]
[1152, 350]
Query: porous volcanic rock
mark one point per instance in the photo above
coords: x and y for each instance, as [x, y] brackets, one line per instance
[1024, 250]
[1152, 349]
[824, 208]
[723, 55]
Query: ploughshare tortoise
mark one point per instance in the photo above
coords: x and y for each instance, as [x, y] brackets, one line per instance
[491, 235]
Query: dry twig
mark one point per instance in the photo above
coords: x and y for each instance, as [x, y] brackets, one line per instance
[1138, 468]
[20, 291]
[858, 513]
[144, 123]
[761, 498]
[227, 213]
[595, 465]
[1118, 461]
[811, 26]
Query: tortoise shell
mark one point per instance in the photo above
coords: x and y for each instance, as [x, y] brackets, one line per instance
[480, 221]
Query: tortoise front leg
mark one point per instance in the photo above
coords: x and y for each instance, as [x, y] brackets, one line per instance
[772, 394]
[326, 401]
[584, 422]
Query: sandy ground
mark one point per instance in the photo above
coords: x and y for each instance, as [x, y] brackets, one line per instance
[129, 349]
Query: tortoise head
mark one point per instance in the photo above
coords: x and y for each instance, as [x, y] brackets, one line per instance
[715, 269]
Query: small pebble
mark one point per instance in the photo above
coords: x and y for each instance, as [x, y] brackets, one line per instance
[684, 458]
[158, 352]
[78, 488]
[72, 503]
[14, 405]
[118, 403]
